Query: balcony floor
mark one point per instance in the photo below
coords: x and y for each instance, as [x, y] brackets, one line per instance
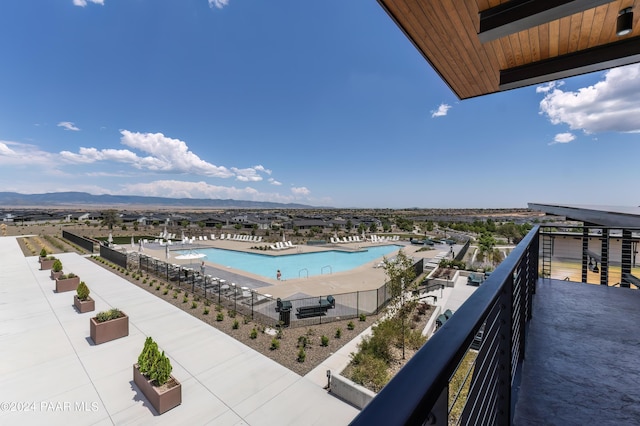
[582, 357]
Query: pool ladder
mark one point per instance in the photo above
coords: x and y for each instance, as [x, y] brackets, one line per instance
[326, 266]
[300, 272]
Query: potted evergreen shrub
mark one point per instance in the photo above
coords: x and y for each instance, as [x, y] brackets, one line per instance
[67, 282]
[81, 299]
[47, 263]
[56, 269]
[43, 255]
[152, 375]
[108, 325]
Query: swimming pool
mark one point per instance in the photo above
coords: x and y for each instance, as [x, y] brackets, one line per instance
[296, 265]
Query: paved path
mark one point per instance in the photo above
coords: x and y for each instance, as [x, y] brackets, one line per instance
[48, 360]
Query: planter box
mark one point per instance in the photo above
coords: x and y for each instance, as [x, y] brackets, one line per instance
[56, 275]
[102, 332]
[67, 284]
[46, 264]
[84, 305]
[162, 398]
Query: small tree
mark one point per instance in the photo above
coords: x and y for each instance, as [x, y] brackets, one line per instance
[57, 266]
[148, 356]
[401, 281]
[43, 252]
[82, 291]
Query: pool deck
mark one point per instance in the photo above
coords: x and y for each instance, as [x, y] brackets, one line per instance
[365, 277]
[52, 373]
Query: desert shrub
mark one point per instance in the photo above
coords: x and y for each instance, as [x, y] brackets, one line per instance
[165, 291]
[185, 299]
[338, 333]
[369, 371]
[236, 325]
[324, 340]
[232, 314]
[82, 291]
[206, 311]
[275, 344]
[303, 341]
[302, 355]
[363, 317]
[351, 325]
[220, 316]
[175, 294]
[254, 333]
[194, 305]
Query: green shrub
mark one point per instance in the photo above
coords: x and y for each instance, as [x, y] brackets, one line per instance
[109, 315]
[236, 325]
[324, 340]
[369, 371]
[338, 333]
[254, 333]
[232, 314]
[207, 302]
[185, 299]
[302, 355]
[165, 291]
[161, 370]
[194, 305]
[218, 307]
[43, 252]
[363, 317]
[57, 266]
[158, 287]
[303, 341]
[206, 311]
[148, 356]
[275, 344]
[351, 325]
[175, 294]
[82, 291]
[220, 316]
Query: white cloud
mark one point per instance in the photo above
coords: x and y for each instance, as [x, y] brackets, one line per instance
[19, 154]
[272, 181]
[247, 175]
[549, 86]
[262, 169]
[68, 125]
[183, 189]
[218, 3]
[300, 191]
[563, 138]
[441, 111]
[83, 3]
[611, 105]
[167, 155]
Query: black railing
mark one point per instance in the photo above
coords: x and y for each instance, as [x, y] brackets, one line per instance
[83, 242]
[494, 320]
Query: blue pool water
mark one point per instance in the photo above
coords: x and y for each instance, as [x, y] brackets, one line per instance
[296, 265]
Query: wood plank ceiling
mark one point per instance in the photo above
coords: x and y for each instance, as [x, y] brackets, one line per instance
[565, 38]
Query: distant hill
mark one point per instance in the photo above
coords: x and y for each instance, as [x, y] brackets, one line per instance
[82, 198]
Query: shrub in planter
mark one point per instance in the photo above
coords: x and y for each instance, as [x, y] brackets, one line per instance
[67, 282]
[152, 375]
[109, 325]
[57, 266]
[81, 300]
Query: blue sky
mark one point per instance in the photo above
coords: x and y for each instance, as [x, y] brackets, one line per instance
[321, 103]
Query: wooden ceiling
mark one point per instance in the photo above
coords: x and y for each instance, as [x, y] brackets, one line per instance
[485, 46]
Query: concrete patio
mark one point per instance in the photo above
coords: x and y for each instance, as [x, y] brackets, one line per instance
[52, 373]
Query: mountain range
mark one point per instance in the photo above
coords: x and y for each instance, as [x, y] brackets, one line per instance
[82, 198]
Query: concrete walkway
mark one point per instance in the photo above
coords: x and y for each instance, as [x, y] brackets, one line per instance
[52, 373]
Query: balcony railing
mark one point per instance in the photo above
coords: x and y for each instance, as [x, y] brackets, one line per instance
[465, 373]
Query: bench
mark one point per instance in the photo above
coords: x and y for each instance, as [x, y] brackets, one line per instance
[475, 279]
[316, 310]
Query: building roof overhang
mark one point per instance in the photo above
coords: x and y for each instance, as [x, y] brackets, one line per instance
[486, 46]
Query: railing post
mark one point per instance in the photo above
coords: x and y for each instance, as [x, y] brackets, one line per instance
[439, 414]
[503, 410]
